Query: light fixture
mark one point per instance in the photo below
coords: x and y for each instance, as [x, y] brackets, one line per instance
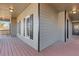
[74, 12]
[11, 9]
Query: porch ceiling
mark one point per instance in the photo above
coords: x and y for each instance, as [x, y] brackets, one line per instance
[68, 7]
[18, 8]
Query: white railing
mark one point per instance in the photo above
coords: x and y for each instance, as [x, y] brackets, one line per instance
[4, 32]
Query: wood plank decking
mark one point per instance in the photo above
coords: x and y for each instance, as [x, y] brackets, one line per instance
[12, 46]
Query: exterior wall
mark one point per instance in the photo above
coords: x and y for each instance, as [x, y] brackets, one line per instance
[70, 26]
[13, 27]
[31, 9]
[48, 26]
[61, 20]
[52, 26]
[70, 29]
[61, 26]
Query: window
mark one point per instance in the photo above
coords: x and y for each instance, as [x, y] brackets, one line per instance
[24, 27]
[28, 27]
[19, 27]
[29, 24]
[31, 27]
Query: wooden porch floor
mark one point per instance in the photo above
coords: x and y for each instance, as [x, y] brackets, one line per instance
[12, 46]
[70, 48]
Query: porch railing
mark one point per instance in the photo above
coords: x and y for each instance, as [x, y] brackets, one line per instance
[4, 32]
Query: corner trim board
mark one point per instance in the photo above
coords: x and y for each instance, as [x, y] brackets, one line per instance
[39, 27]
[65, 27]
